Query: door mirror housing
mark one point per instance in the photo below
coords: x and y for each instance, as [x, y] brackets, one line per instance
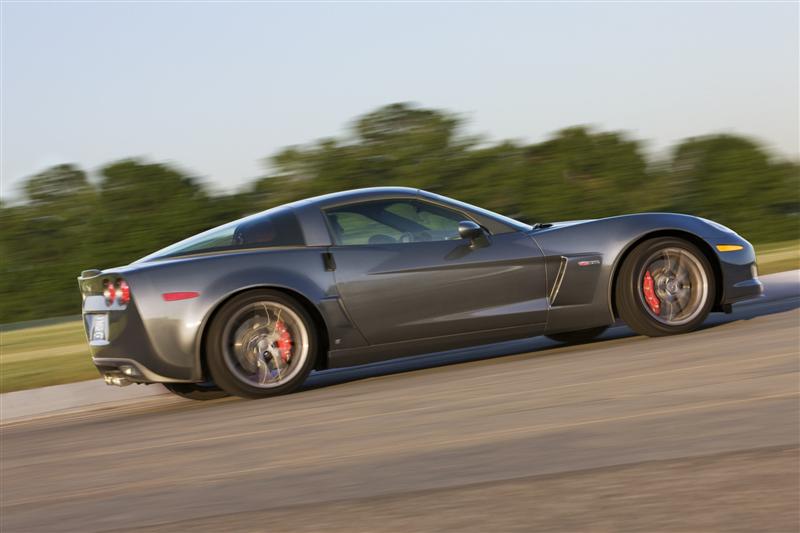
[468, 229]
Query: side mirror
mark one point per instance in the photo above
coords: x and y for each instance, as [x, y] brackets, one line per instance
[467, 229]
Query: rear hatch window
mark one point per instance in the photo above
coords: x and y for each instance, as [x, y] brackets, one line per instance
[275, 227]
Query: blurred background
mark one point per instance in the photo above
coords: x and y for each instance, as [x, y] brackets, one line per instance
[126, 127]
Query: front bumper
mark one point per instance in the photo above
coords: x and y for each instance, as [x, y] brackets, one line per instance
[739, 272]
[743, 290]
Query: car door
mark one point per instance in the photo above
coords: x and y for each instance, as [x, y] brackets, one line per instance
[404, 273]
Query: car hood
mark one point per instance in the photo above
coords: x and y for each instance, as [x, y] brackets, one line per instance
[566, 223]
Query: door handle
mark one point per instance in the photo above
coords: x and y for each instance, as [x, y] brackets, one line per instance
[328, 261]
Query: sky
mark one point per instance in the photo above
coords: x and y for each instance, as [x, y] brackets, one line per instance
[218, 87]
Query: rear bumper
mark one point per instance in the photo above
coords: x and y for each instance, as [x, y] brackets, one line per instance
[128, 344]
[123, 371]
[125, 349]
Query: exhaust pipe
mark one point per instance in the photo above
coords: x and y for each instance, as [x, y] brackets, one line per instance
[117, 381]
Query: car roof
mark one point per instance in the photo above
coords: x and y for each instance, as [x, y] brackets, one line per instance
[367, 193]
[317, 234]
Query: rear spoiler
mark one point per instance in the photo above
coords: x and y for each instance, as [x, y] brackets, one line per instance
[92, 272]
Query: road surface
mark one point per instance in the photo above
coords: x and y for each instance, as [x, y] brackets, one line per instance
[699, 432]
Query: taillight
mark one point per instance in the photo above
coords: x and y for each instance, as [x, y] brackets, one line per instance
[119, 292]
[123, 292]
[109, 292]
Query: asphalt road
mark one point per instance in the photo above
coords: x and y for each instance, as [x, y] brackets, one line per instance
[699, 432]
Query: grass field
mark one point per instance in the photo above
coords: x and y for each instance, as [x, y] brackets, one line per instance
[778, 257]
[44, 355]
[49, 355]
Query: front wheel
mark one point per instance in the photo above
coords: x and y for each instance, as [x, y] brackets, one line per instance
[261, 343]
[665, 286]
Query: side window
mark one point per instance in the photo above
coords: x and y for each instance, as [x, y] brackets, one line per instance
[440, 223]
[352, 227]
[275, 227]
[278, 229]
[392, 221]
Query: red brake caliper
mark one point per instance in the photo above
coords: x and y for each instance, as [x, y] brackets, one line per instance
[284, 341]
[650, 294]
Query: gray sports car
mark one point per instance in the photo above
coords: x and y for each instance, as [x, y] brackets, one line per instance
[251, 307]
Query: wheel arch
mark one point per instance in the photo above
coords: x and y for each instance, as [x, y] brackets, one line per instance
[303, 300]
[688, 236]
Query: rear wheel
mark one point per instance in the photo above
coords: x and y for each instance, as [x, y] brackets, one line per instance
[577, 337]
[261, 343]
[196, 391]
[665, 286]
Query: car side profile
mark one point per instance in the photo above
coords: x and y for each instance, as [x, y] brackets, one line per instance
[252, 307]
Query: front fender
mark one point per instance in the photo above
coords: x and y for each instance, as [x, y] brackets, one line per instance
[608, 240]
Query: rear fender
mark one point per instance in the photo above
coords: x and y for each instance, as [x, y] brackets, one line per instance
[175, 328]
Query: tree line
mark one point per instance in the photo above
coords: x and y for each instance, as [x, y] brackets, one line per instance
[67, 222]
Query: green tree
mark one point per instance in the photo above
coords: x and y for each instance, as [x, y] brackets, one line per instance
[42, 241]
[732, 180]
[399, 144]
[67, 223]
[580, 173]
[146, 206]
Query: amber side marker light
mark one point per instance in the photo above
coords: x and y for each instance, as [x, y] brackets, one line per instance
[729, 247]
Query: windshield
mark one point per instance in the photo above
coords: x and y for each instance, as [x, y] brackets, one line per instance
[508, 221]
[275, 227]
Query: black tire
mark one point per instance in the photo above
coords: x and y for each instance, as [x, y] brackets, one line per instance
[577, 337]
[231, 364]
[644, 315]
[196, 391]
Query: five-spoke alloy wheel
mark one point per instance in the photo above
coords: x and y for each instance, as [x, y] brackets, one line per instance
[261, 343]
[665, 286]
